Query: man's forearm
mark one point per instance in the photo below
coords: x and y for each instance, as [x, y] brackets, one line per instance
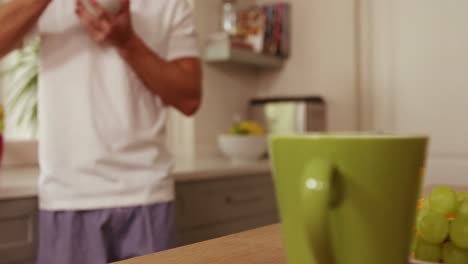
[18, 17]
[177, 83]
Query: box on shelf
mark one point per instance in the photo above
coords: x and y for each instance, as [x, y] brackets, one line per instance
[262, 29]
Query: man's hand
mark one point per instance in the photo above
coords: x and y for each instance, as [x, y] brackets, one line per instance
[105, 28]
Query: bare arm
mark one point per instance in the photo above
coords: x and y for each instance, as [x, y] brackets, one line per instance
[18, 17]
[177, 82]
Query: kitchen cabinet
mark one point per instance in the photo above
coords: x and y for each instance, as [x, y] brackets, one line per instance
[213, 208]
[18, 231]
[414, 78]
[206, 208]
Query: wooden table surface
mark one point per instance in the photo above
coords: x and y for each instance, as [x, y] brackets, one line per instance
[259, 246]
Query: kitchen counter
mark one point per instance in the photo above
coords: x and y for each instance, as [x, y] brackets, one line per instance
[259, 246]
[209, 168]
[22, 182]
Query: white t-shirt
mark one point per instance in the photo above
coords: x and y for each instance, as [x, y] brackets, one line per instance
[102, 132]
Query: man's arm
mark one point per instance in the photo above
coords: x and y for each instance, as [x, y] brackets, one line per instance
[16, 19]
[177, 82]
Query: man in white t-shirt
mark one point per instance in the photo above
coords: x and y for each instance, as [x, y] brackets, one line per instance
[105, 84]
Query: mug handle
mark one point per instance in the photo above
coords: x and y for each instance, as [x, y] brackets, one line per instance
[316, 199]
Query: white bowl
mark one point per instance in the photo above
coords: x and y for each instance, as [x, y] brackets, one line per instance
[240, 148]
[111, 6]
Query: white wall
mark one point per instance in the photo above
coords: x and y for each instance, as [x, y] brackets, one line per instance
[323, 59]
[227, 88]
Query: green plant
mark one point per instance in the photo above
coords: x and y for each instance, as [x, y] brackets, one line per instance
[21, 72]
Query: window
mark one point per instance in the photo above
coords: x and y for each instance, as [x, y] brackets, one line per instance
[19, 83]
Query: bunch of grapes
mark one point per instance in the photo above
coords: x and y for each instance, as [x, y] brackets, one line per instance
[442, 227]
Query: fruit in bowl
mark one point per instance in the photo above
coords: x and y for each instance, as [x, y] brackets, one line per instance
[245, 142]
[247, 128]
[442, 227]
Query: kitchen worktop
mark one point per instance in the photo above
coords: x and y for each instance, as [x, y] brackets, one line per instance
[259, 246]
[22, 182]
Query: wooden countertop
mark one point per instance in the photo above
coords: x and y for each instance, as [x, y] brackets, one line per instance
[259, 246]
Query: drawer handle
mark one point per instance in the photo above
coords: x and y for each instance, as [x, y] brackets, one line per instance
[242, 200]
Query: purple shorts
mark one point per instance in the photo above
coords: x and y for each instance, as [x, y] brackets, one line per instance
[104, 236]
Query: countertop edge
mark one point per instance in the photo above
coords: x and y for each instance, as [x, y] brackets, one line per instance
[21, 182]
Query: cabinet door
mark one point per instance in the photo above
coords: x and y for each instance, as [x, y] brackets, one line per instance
[18, 231]
[195, 235]
[418, 61]
[212, 208]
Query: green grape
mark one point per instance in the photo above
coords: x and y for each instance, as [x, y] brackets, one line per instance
[462, 195]
[425, 251]
[420, 214]
[459, 232]
[433, 227]
[425, 204]
[452, 254]
[462, 210]
[443, 200]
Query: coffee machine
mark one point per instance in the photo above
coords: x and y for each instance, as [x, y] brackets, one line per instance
[290, 115]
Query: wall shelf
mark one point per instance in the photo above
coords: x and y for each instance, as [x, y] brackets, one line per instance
[224, 53]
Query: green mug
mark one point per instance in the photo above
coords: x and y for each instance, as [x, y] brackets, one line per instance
[348, 199]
